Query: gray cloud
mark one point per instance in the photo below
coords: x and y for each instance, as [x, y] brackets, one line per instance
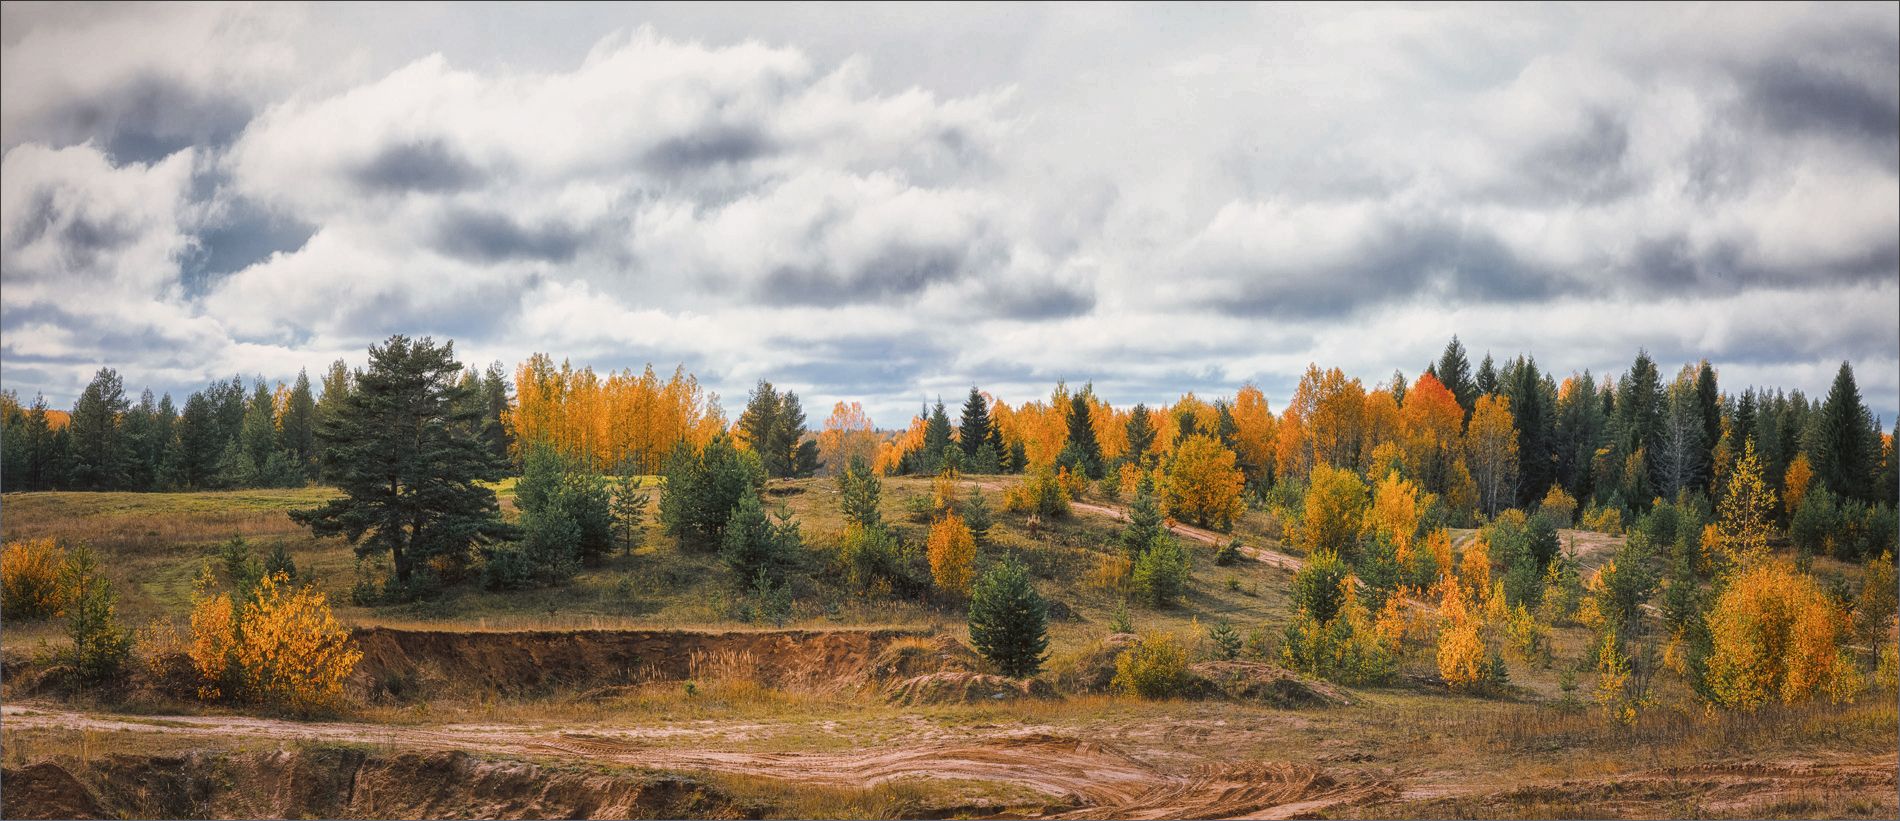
[489, 237]
[776, 194]
[428, 165]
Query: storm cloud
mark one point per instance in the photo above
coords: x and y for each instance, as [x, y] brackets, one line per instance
[883, 205]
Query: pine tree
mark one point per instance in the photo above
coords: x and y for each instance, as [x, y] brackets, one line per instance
[1842, 460]
[936, 438]
[99, 449]
[1709, 401]
[1453, 370]
[495, 400]
[858, 494]
[1009, 621]
[1486, 382]
[1141, 434]
[1082, 436]
[1144, 519]
[259, 436]
[704, 487]
[100, 646]
[754, 546]
[629, 513]
[412, 482]
[299, 431]
[975, 428]
[1639, 415]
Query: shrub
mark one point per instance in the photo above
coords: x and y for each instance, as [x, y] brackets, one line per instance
[952, 555]
[1112, 572]
[1225, 639]
[1040, 493]
[29, 580]
[100, 645]
[1605, 520]
[1155, 666]
[1461, 657]
[1228, 554]
[703, 488]
[754, 545]
[1009, 621]
[1319, 586]
[876, 562]
[1558, 507]
[1346, 649]
[1776, 636]
[1161, 573]
[1815, 522]
[282, 647]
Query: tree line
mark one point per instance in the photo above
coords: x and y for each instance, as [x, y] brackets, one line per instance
[225, 436]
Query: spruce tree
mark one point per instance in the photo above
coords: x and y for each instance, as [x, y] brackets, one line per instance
[259, 436]
[1144, 520]
[1486, 382]
[974, 430]
[1709, 403]
[1141, 434]
[1842, 460]
[629, 513]
[495, 399]
[1082, 435]
[1453, 370]
[936, 438]
[412, 480]
[299, 429]
[858, 494]
[1009, 621]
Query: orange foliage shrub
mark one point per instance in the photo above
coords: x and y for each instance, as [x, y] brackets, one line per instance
[952, 554]
[284, 647]
[1776, 636]
[1795, 481]
[1460, 649]
[29, 579]
[1395, 512]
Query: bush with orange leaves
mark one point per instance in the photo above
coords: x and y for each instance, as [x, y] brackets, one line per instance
[29, 580]
[1776, 636]
[1461, 660]
[281, 647]
[952, 552]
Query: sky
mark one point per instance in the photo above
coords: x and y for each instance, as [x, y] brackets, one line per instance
[891, 203]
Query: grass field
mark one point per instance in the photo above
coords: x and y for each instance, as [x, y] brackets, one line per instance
[1409, 749]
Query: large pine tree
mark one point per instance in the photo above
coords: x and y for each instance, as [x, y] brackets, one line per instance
[1842, 460]
[410, 473]
[1082, 435]
[974, 429]
[100, 453]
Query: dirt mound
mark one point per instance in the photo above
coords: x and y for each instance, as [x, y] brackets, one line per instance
[962, 687]
[346, 783]
[405, 665]
[46, 790]
[909, 657]
[1265, 683]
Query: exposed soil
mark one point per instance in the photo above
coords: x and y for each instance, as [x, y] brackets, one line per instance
[340, 782]
[963, 687]
[405, 665]
[1086, 778]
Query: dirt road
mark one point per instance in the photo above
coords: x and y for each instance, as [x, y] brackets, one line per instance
[1186, 531]
[1096, 777]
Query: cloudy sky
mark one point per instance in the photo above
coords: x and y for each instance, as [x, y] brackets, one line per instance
[888, 203]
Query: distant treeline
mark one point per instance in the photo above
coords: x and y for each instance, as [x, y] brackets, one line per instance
[225, 436]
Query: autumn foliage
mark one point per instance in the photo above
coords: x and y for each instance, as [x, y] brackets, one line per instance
[1203, 484]
[621, 421]
[30, 579]
[281, 647]
[952, 551]
[1776, 637]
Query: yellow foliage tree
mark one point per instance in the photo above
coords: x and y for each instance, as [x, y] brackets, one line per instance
[1203, 484]
[846, 435]
[1335, 510]
[1395, 512]
[952, 555]
[1742, 523]
[1460, 648]
[1776, 636]
[1560, 507]
[1794, 482]
[1491, 452]
[1474, 568]
[29, 579]
[623, 420]
[1253, 433]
